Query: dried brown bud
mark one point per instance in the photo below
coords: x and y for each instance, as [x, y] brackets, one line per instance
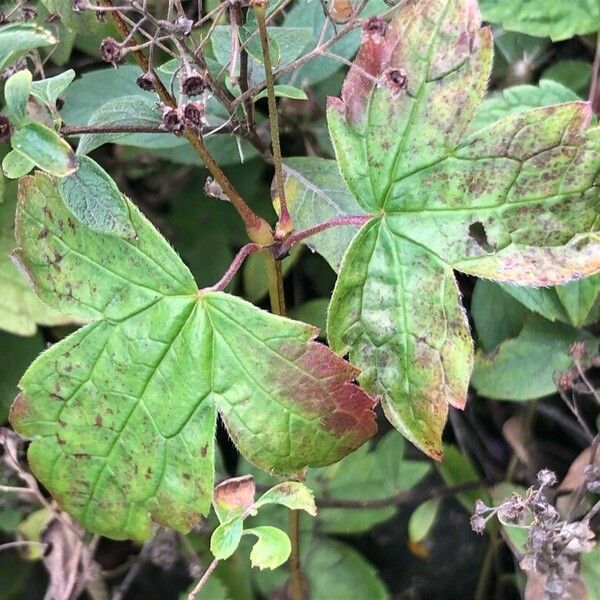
[375, 25]
[79, 6]
[193, 113]
[28, 13]
[565, 380]
[5, 129]
[146, 81]
[193, 85]
[111, 50]
[396, 80]
[172, 120]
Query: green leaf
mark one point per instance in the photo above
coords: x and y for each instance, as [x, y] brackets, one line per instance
[16, 94]
[15, 165]
[316, 192]
[291, 494]
[125, 111]
[226, 538]
[284, 91]
[558, 20]
[233, 497]
[573, 74]
[515, 201]
[519, 98]
[366, 475]
[48, 90]
[590, 572]
[272, 549]
[422, 519]
[94, 199]
[456, 469]
[123, 412]
[45, 149]
[524, 368]
[496, 314]
[20, 309]
[16, 39]
[82, 22]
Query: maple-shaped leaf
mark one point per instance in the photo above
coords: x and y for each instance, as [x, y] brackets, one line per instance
[123, 412]
[516, 202]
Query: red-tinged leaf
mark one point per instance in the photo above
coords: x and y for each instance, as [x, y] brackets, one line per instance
[233, 496]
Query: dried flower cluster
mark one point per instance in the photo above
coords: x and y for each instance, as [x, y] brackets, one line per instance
[554, 546]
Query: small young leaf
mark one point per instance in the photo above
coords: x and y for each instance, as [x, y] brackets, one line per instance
[94, 199]
[45, 149]
[422, 519]
[16, 94]
[233, 497]
[123, 412]
[48, 90]
[272, 549]
[284, 91]
[15, 165]
[292, 494]
[18, 38]
[226, 538]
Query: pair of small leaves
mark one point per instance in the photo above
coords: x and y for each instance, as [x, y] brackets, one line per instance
[515, 202]
[233, 501]
[123, 412]
[35, 144]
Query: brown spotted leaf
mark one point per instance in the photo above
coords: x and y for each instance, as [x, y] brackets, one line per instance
[515, 202]
[123, 412]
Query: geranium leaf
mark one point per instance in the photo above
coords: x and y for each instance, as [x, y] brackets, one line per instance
[123, 412]
[514, 202]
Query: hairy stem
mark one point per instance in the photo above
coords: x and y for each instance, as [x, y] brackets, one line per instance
[298, 236]
[257, 228]
[238, 261]
[285, 222]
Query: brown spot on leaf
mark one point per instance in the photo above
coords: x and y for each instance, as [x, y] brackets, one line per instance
[98, 422]
[148, 473]
[204, 450]
[43, 233]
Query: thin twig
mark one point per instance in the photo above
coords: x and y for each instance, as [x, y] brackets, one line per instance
[21, 544]
[594, 96]
[284, 226]
[213, 565]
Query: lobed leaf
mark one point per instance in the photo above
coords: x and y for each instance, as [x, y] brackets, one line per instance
[123, 412]
[515, 201]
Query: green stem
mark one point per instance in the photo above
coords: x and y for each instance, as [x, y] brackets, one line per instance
[285, 222]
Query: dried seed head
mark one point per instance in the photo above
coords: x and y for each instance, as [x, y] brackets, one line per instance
[111, 50]
[146, 81]
[396, 80]
[79, 6]
[5, 129]
[546, 477]
[478, 524]
[193, 85]
[28, 13]
[565, 380]
[183, 26]
[375, 26]
[172, 121]
[193, 113]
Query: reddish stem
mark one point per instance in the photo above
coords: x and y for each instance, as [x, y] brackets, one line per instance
[298, 236]
[237, 262]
